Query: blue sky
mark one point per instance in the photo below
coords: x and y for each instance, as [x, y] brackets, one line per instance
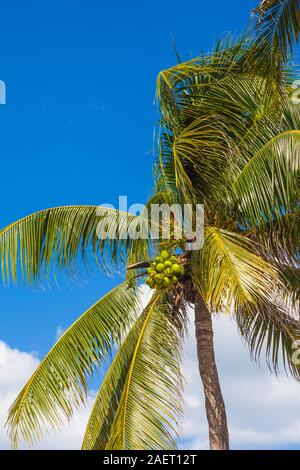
[78, 124]
[77, 127]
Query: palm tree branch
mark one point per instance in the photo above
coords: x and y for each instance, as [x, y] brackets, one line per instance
[228, 271]
[60, 381]
[149, 405]
[56, 237]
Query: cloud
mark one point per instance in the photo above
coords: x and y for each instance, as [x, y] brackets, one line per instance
[15, 369]
[263, 412]
[59, 332]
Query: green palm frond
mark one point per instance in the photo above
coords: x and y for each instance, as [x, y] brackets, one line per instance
[107, 400]
[204, 69]
[230, 274]
[60, 382]
[280, 241]
[208, 155]
[141, 408]
[191, 79]
[190, 88]
[59, 236]
[278, 28]
[291, 278]
[268, 184]
[270, 331]
[212, 108]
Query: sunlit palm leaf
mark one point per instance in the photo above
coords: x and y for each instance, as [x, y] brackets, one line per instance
[107, 400]
[211, 107]
[208, 156]
[58, 237]
[268, 185]
[230, 274]
[148, 407]
[60, 382]
[192, 78]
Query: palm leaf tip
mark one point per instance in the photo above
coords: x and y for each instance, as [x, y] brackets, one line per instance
[59, 384]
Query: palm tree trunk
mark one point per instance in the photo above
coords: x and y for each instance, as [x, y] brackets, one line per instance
[214, 404]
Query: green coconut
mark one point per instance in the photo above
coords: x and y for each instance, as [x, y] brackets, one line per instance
[164, 255]
[168, 272]
[160, 267]
[176, 268]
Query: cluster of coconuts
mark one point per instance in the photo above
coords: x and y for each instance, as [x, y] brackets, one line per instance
[164, 271]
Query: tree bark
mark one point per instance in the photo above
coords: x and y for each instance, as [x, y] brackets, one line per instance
[214, 404]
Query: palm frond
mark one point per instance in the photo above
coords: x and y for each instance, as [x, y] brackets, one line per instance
[278, 28]
[107, 400]
[280, 241]
[57, 237]
[183, 91]
[291, 278]
[268, 184]
[230, 274]
[208, 156]
[60, 382]
[146, 403]
[270, 331]
[211, 107]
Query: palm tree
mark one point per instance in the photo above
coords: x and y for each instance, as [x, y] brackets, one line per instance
[225, 143]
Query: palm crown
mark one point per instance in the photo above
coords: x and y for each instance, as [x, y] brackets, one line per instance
[229, 139]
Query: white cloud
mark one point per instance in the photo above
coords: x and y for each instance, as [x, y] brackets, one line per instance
[263, 412]
[59, 332]
[15, 370]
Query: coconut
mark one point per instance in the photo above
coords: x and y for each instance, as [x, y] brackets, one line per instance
[164, 255]
[164, 271]
[160, 267]
[176, 268]
[168, 272]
